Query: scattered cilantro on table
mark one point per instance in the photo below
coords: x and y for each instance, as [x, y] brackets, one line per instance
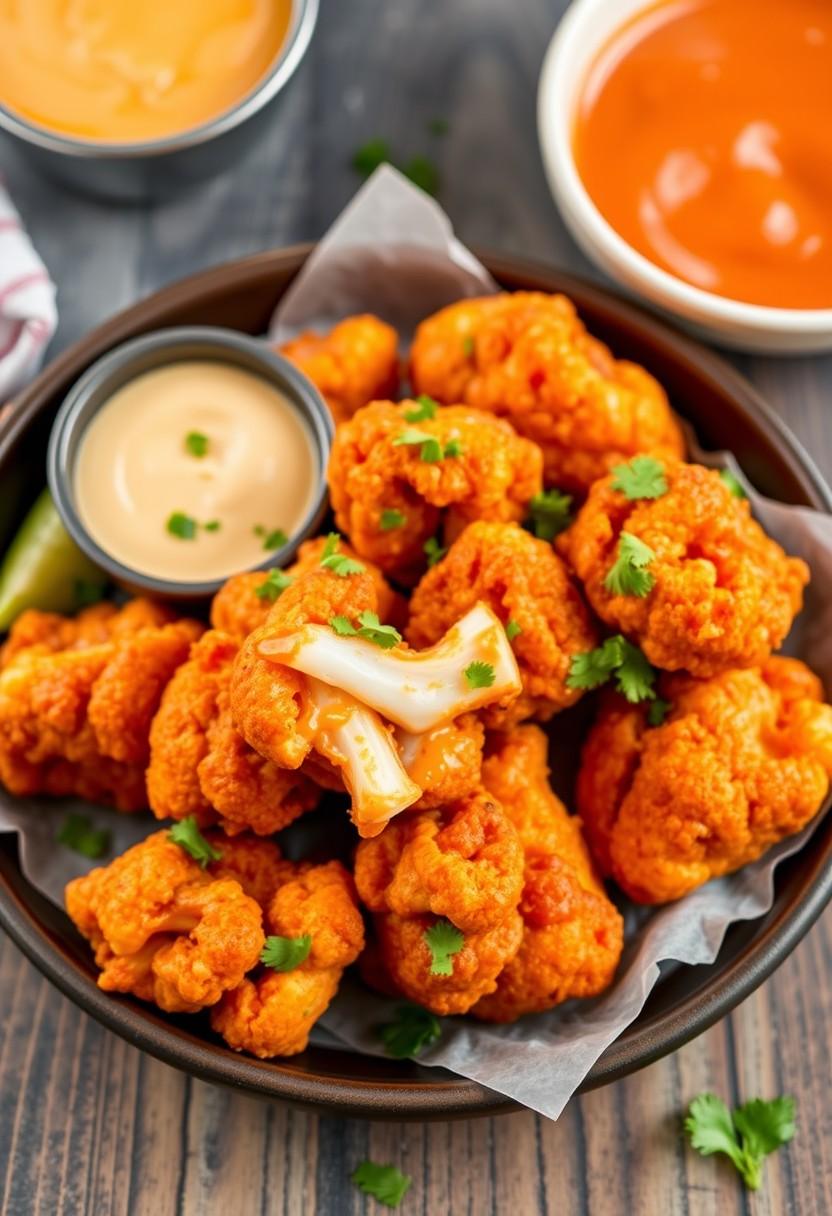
[443, 940]
[549, 514]
[77, 832]
[745, 1135]
[629, 574]
[413, 1030]
[285, 953]
[641, 477]
[385, 1183]
[187, 835]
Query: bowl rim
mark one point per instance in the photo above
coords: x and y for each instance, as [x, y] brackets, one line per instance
[584, 29]
[432, 1093]
[303, 20]
[214, 343]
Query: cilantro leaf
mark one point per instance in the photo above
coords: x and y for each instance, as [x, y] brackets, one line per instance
[641, 477]
[337, 562]
[343, 626]
[430, 449]
[181, 525]
[549, 514]
[427, 408]
[273, 585]
[453, 448]
[196, 443]
[733, 483]
[367, 158]
[468, 346]
[479, 675]
[78, 833]
[384, 1182]
[187, 835]
[512, 630]
[213, 525]
[433, 551]
[747, 1136]
[443, 940]
[634, 676]
[372, 629]
[658, 711]
[423, 173]
[628, 576]
[275, 539]
[413, 1030]
[391, 518]
[285, 953]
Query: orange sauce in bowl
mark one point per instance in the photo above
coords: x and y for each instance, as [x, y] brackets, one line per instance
[123, 71]
[704, 137]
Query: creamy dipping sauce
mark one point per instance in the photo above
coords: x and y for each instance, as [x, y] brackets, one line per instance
[132, 70]
[190, 472]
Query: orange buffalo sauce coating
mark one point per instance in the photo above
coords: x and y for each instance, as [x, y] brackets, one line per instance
[703, 137]
[133, 70]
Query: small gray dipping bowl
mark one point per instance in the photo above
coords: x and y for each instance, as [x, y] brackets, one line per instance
[159, 349]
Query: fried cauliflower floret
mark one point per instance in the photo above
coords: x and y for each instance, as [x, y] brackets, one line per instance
[76, 707]
[742, 760]
[356, 362]
[238, 610]
[272, 1014]
[390, 500]
[164, 929]
[201, 765]
[93, 625]
[523, 580]
[256, 864]
[723, 593]
[572, 933]
[527, 357]
[463, 862]
[445, 762]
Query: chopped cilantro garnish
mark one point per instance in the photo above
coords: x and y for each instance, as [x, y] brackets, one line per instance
[733, 483]
[273, 585]
[187, 835]
[430, 449]
[549, 514]
[641, 477]
[427, 408]
[479, 675]
[512, 630]
[182, 526]
[285, 953]
[369, 627]
[657, 712]
[628, 575]
[337, 562]
[453, 448]
[369, 156]
[633, 674]
[423, 173]
[413, 1030]
[275, 539]
[746, 1136]
[433, 551]
[391, 518]
[196, 443]
[384, 1182]
[77, 832]
[213, 525]
[259, 530]
[443, 940]
[468, 346]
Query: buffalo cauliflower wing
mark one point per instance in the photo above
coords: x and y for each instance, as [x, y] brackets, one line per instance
[356, 362]
[709, 591]
[742, 760]
[394, 482]
[272, 1013]
[572, 933]
[164, 929]
[524, 581]
[527, 357]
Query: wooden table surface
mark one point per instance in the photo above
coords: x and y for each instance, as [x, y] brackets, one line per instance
[87, 1123]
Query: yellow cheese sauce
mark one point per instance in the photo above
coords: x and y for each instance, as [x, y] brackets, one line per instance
[190, 471]
[132, 70]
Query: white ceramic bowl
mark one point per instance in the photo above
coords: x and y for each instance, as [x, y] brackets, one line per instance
[584, 30]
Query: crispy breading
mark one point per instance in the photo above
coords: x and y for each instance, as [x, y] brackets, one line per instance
[273, 1013]
[572, 933]
[742, 760]
[164, 929]
[493, 476]
[526, 356]
[355, 362]
[523, 580]
[724, 594]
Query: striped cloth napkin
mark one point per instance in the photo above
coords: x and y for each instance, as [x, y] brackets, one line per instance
[28, 315]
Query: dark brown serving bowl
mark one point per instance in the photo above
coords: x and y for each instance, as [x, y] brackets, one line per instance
[727, 413]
